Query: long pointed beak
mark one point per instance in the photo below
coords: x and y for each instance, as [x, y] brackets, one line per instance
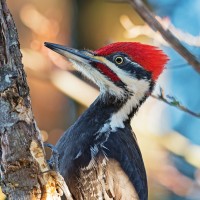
[71, 53]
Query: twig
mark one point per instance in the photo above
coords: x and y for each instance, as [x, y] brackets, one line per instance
[149, 18]
[134, 31]
[172, 101]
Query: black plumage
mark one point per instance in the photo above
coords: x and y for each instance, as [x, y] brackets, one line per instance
[99, 155]
[120, 145]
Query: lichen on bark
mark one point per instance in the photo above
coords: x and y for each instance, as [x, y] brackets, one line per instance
[24, 171]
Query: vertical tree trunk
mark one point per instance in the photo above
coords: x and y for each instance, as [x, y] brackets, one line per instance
[24, 171]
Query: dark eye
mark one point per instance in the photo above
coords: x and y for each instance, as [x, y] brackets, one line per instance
[119, 60]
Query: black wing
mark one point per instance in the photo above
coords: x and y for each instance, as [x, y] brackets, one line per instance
[126, 160]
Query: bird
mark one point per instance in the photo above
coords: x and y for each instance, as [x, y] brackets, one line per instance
[99, 154]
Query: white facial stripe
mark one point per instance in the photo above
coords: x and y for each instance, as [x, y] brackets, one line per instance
[120, 72]
[111, 65]
[94, 75]
[139, 88]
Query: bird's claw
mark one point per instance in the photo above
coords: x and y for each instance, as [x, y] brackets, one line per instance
[54, 161]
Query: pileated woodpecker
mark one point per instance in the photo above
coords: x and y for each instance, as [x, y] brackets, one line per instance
[100, 156]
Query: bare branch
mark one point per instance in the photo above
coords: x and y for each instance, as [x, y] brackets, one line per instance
[149, 18]
[172, 101]
[133, 31]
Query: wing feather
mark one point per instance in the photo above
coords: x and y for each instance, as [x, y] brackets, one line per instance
[118, 184]
[125, 166]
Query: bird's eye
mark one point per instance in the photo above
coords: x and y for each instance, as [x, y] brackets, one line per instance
[119, 60]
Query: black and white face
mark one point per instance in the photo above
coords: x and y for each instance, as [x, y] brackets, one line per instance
[134, 79]
[133, 69]
[118, 75]
[115, 74]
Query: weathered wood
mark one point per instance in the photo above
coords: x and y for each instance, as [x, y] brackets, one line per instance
[24, 170]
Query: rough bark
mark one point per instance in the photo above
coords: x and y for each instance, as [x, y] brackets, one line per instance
[24, 171]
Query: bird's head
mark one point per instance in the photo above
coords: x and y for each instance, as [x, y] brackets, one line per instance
[120, 69]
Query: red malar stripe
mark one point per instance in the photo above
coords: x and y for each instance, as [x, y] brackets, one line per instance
[108, 72]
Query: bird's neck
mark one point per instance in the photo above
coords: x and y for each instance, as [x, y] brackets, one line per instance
[116, 112]
[122, 110]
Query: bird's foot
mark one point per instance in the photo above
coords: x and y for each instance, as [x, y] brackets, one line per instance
[54, 160]
[54, 171]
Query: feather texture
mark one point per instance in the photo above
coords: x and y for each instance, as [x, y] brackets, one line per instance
[99, 155]
[149, 57]
[98, 163]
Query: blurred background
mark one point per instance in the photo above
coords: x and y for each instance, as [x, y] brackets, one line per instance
[169, 138]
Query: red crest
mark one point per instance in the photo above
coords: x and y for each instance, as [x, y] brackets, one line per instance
[149, 57]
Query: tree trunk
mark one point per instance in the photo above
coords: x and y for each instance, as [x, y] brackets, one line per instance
[24, 171]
